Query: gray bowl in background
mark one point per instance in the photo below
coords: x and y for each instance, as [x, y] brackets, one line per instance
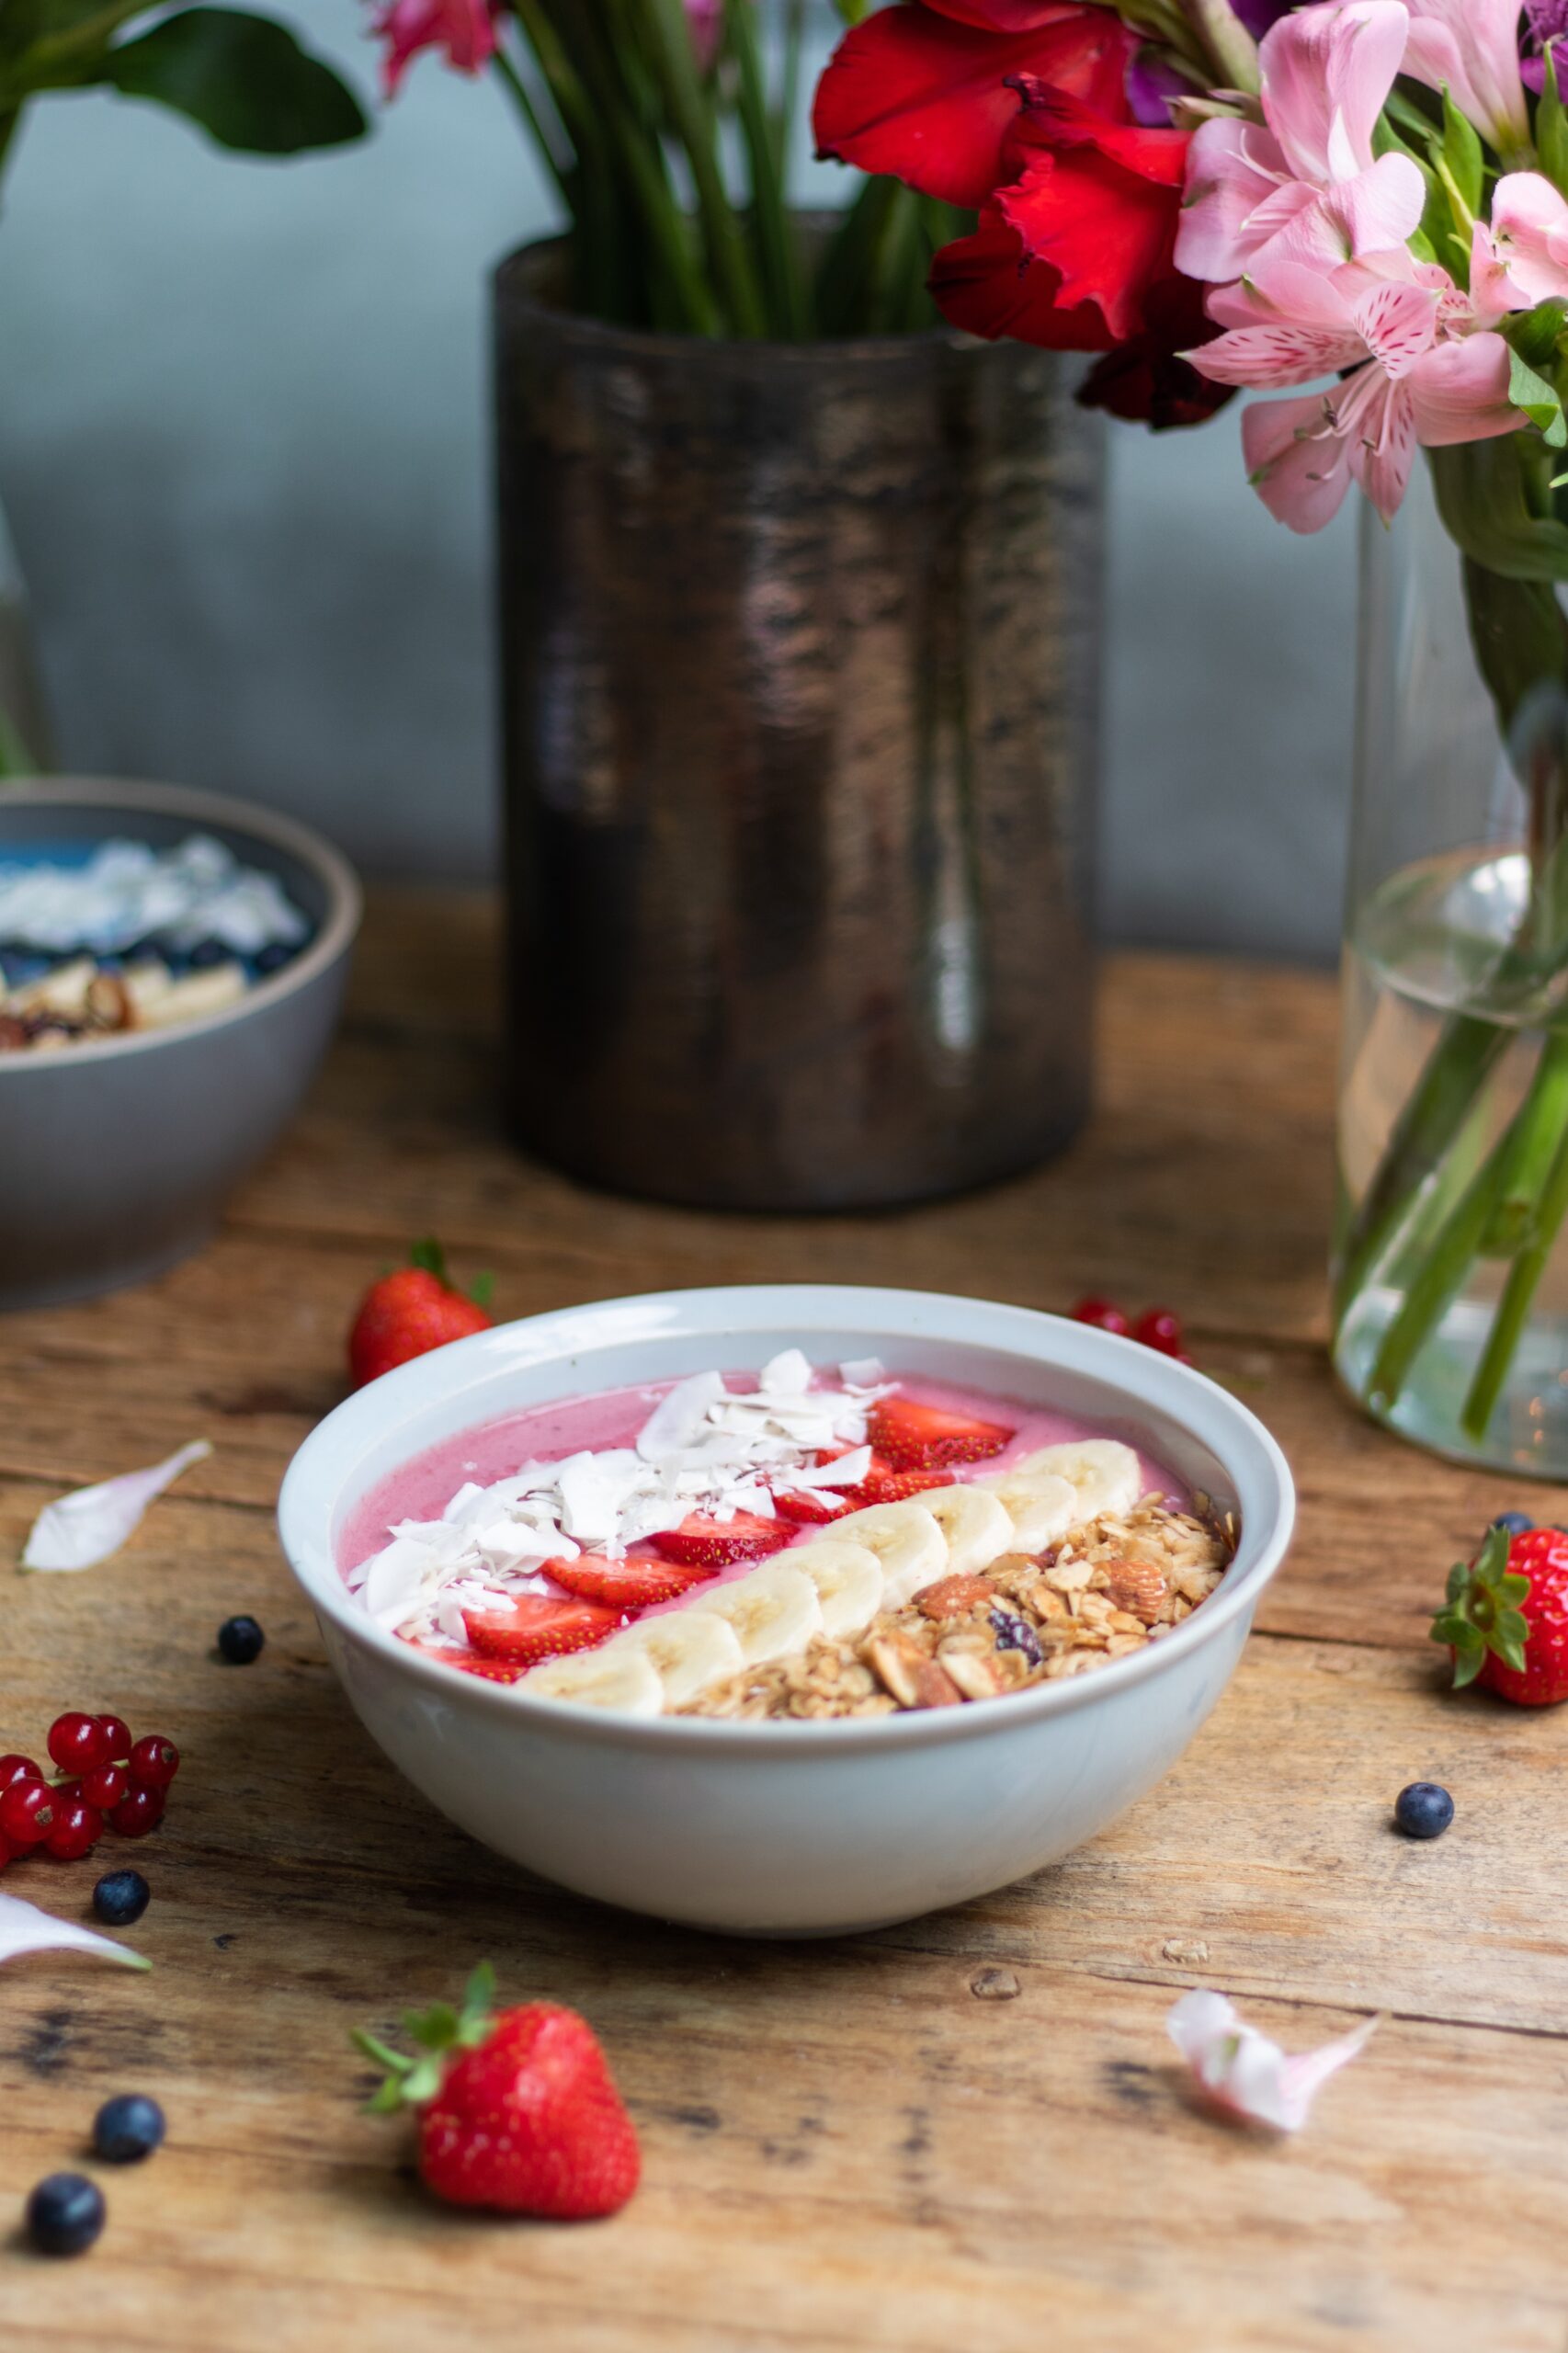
[116, 1159]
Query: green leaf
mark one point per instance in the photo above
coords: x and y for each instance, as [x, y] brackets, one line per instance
[1468, 1665]
[1481, 495]
[1463, 158]
[244, 80]
[434, 2028]
[1541, 401]
[430, 1257]
[1551, 126]
[387, 2098]
[1534, 334]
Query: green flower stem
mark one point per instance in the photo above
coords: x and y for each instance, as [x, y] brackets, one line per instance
[775, 231]
[1549, 1207]
[691, 117]
[1438, 1281]
[518, 90]
[1457, 1069]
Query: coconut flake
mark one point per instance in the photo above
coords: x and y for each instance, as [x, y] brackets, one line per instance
[24, 1929]
[1243, 2074]
[863, 1372]
[677, 1420]
[789, 1374]
[88, 1526]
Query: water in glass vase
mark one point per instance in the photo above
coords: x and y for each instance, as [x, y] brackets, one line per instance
[1452, 1247]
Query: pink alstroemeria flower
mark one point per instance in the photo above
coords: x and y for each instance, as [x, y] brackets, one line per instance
[1472, 46]
[1416, 370]
[464, 28]
[1310, 177]
[1528, 240]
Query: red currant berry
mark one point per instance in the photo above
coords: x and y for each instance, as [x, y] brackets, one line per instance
[1104, 1314]
[154, 1762]
[27, 1812]
[7, 1853]
[1159, 1329]
[105, 1786]
[77, 1742]
[17, 1768]
[66, 1794]
[76, 1833]
[139, 1811]
[117, 1740]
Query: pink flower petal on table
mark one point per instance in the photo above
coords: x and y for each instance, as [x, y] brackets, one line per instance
[1243, 2074]
[83, 1528]
[24, 1929]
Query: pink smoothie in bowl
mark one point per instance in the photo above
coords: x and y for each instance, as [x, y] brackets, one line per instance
[800, 1542]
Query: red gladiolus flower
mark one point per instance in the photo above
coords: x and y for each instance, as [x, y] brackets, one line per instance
[464, 28]
[921, 92]
[1076, 254]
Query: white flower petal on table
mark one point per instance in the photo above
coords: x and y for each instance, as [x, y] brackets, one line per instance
[1240, 2072]
[24, 1929]
[83, 1528]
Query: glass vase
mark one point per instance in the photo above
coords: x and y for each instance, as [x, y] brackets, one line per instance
[1451, 1245]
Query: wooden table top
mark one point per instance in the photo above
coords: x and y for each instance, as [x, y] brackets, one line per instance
[846, 2144]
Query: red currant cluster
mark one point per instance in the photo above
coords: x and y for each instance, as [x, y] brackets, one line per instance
[105, 1779]
[1158, 1329]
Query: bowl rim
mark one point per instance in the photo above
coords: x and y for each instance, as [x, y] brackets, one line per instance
[335, 936]
[1209, 1413]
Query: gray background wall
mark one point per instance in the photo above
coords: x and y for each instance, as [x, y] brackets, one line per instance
[243, 450]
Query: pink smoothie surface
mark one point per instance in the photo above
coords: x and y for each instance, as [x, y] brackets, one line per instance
[422, 1487]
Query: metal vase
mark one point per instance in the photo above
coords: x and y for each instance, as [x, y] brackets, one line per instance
[798, 646]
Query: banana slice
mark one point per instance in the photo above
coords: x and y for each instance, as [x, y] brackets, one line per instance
[1104, 1474]
[977, 1526]
[905, 1539]
[774, 1610]
[688, 1649]
[1041, 1504]
[848, 1579]
[603, 1678]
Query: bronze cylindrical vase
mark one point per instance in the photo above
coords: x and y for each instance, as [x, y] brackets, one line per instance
[799, 649]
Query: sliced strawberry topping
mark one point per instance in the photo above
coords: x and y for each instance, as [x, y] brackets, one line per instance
[816, 1505]
[533, 1626]
[701, 1542]
[881, 1485]
[631, 1583]
[492, 1670]
[885, 1485]
[920, 1437]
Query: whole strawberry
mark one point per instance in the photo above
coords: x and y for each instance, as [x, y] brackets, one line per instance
[410, 1312]
[1505, 1619]
[516, 2109]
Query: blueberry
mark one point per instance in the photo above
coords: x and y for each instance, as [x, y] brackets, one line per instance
[1016, 1635]
[1424, 1810]
[272, 957]
[120, 1897]
[65, 2214]
[1515, 1522]
[205, 954]
[127, 2129]
[240, 1640]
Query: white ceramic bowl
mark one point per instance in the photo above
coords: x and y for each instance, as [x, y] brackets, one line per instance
[804, 1829]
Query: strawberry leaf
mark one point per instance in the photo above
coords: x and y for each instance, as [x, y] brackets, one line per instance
[1479, 1615]
[482, 1291]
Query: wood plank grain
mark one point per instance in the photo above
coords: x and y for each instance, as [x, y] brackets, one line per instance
[847, 2143]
